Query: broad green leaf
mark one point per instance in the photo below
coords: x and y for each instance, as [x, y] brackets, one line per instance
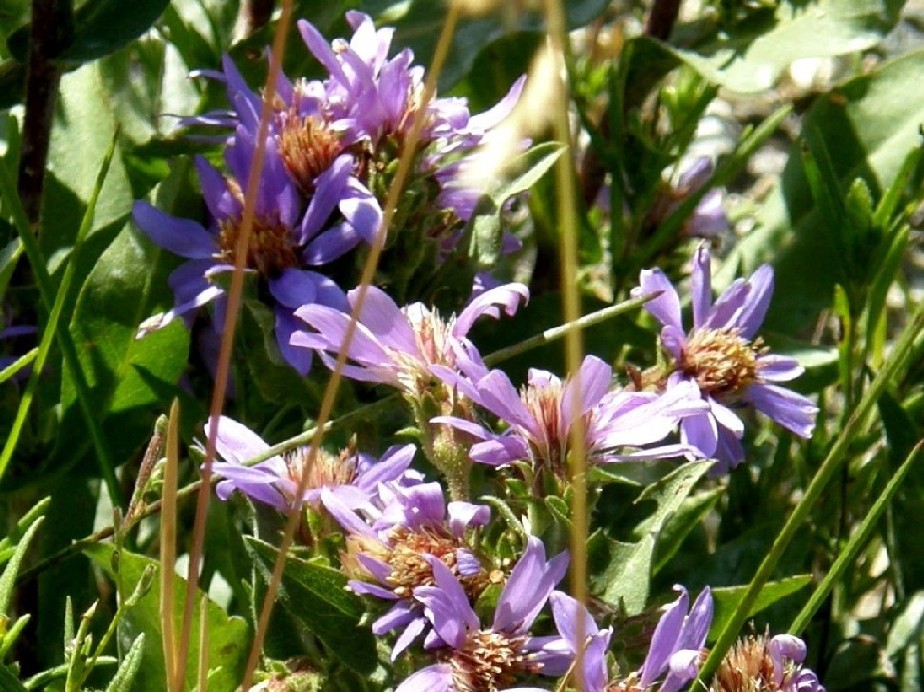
[228, 638]
[316, 597]
[624, 569]
[727, 598]
[100, 27]
[868, 125]
[127, 376]
[690, 515]
[81, 133]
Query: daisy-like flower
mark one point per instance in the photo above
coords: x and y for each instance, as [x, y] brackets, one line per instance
[475, 658]
[350, 479]
[676, 649]
[721, 356]
[284, 240]
[400, 346]
[540, 417]
[392, 544]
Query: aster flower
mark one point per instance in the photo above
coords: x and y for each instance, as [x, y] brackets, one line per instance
[708, 219]
[475, 658]
[675, 652]
[721, 356]
[400, 346]
[540, 417]
[392, 544]
[351, 479]
[283, 241]
[766, 663]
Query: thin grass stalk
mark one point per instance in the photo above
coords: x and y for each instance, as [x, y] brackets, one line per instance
[227, 341]
[571, 310]
[203, 642]
[168, 518]
[855, 544]
[55, 307]
[16, 366]
[368, 273]
[826, 472]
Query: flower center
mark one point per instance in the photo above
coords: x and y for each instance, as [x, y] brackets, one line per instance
[489, 661]
[271, 246]
[409, 566]
[720, 360]
[325, 471]
[748, 667]
[308, 148]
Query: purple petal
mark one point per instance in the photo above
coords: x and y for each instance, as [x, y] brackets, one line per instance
[701, 285]
[664, 639]
[725, 309]
[393, 464]
[287, 326]
[791, 410]
[778, 368]
[293, 288]
[490, 303]
[236, 442]
[700, 432]
[386, 321]
[666, 307]
[435, 678]
[528, 587]
[328, 191]
[447, 606]
[180, 236]
[362, 210]
[752, 313]
[407, 637]
[465, 515]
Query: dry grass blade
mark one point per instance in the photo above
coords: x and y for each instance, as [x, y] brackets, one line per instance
[571, 312]
[203, 643]
[330, 392]
[233, 306]
[168, 547]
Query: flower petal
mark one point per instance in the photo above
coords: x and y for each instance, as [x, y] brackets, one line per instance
[666, 307]
[180, 236]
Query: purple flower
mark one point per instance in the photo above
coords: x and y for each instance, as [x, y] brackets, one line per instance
[491, 658]
[400, 346]
[284, 239]
[393, 547]
[722, 358]
[351, 479]
[540, 416]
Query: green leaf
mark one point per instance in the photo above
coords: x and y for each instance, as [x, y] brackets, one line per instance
[12, 540]
[727, 598]
[228, 638]
[100, 27]
[868, 126]
[9, 680]
[623, 570]
[689, 516]
[752, 56]
[316, 597]
[418, 24]
[131, 664]
[8, 578]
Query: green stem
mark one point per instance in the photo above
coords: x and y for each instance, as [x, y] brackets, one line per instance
[819, 483]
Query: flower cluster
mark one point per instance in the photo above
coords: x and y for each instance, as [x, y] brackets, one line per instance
[328, 161]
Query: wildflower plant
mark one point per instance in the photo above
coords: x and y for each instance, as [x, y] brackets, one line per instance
[408, 486]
